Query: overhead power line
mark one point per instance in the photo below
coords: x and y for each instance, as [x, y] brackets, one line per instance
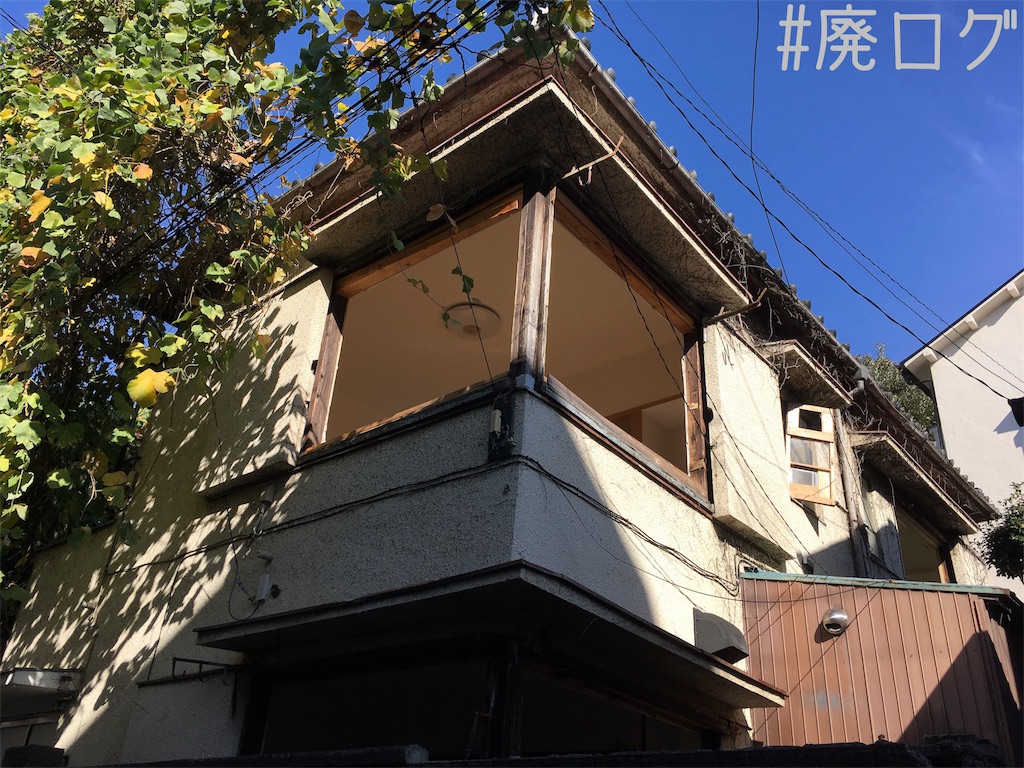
[658, 80]
[854, 252]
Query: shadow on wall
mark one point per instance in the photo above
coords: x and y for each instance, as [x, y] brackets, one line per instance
[104, 608]
[957, 708]
[915, 666]
[578, 514]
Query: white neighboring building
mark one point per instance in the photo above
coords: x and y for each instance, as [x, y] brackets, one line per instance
[977, 428]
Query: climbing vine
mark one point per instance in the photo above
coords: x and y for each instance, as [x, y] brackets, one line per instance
[136, 139]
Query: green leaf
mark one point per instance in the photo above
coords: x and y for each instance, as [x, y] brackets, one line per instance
[28, 433]
[14, 593]
[60, 478]
[219, 273]
[121, 436]
[126, 533]
[171, 344]
[177, 35]
[211, 309]
[141, 355]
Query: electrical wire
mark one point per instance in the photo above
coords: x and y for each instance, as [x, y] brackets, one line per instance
[661, 82]
[753, 111]
[727, 131]
[699, 422]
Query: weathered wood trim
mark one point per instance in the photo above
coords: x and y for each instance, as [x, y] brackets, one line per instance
[434, 242]
[696, 424]
[533, 275]
[325, 373]
[625, 445]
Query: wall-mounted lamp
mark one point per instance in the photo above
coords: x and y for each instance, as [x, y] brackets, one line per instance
[835, 621]
[469, 320]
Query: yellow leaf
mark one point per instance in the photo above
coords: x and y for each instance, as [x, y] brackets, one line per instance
[151, 99]
[238, 159]
[95, 462]
[142, 355]
[148, 146]
[31, 257]
[87, 159]
[268, 133]
[115, 478]
[103, 199]
[68, 93]
[143, 171]
[277, 276]
[6, 113]
[145, 388]
[40, 202]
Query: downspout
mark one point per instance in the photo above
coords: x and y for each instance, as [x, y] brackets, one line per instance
[854, 517]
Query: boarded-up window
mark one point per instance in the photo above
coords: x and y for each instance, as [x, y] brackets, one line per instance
[810, 437]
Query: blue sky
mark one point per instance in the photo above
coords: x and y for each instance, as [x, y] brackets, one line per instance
[921, 169]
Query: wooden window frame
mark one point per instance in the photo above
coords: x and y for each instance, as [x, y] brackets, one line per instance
[824, 492]
[346, 286]
[639, 281]
[536, 200]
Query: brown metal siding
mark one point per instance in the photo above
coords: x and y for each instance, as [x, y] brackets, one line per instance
[913, 664]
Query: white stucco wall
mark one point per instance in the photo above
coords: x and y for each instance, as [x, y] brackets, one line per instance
[980, 434]
[119, 613]
[751, 466]
[420, 505]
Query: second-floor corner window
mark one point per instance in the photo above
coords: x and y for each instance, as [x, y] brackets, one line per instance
[810, 438]
[429, 322]
[626, 350]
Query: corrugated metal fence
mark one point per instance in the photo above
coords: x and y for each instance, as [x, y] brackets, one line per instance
[915, 663]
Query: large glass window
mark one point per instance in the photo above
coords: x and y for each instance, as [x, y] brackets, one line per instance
[411, 335]
[611, 342]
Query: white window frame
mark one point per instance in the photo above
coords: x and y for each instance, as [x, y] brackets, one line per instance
[824, 491]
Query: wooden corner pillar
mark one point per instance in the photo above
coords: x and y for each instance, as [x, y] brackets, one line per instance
[325, 368]
[529, 329]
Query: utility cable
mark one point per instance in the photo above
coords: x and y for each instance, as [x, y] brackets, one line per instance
[834, 234]
[842, 278]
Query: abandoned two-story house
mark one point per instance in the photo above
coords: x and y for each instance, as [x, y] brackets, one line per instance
[621, 492]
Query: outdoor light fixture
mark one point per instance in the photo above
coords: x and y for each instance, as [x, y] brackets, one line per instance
[469, 320]
[835, 621]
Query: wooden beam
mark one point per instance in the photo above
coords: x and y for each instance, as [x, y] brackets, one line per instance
[533, 275]
[583, 229]
[696, 425]
[423, 248]
[324, 374]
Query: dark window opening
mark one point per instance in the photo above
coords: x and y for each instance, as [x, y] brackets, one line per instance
[560, 717]
[925, 555]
